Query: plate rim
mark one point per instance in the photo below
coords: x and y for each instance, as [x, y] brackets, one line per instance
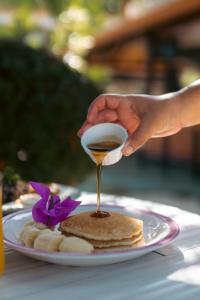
[174, 231]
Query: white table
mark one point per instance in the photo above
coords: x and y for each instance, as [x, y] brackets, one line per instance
[171, 273]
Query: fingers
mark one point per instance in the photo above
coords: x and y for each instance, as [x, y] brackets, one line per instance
[103, 117]
[102, 109]
[106, 115]
[138, 138]
[128, 117]
[103, 102]
[83, 128]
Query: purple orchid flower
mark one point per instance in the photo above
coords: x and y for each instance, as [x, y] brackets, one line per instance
[49, 210]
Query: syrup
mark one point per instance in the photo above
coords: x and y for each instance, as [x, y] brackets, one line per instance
[99, 150]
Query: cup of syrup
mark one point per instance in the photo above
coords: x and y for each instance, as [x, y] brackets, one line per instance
[104, 143]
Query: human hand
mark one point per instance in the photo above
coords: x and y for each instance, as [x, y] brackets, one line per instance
[143, 116]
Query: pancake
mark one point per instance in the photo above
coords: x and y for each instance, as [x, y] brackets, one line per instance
[111, 243]
[139, 243]
[113, 231]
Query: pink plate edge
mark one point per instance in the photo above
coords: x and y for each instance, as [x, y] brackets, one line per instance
[174, 231]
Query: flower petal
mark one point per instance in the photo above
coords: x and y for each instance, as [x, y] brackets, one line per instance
[61, 211]
[41, 189]
[49, 210]
[69, 204]
[54, 221]
[39, 212]
[56, 200]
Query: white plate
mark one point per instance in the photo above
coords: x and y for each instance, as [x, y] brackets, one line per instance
[158, 231]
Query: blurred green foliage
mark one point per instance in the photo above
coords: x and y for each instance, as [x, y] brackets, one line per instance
[60, 26]
[43, 103]
[43, 100]
[57, 6]
[10, 177]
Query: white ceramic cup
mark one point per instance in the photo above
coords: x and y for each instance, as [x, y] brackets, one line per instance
[102, 132]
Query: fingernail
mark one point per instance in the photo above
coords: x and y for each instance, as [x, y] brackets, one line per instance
[128, 151]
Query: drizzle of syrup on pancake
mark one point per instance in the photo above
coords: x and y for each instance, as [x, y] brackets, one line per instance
[99, 151]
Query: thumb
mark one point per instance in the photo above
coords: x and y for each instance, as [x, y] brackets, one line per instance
[137, 139]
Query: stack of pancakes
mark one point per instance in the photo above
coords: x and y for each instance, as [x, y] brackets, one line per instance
[105, 234]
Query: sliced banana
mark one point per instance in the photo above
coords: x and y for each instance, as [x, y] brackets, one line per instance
[48, 240]
[30, 231]
[41, 226]
[30, 223]
[75, 244]
[39, 236]
[28, 235]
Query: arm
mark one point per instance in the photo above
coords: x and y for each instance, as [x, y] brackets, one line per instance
[146, 116]
[189, 98]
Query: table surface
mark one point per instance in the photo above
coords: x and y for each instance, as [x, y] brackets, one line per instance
[172, 272]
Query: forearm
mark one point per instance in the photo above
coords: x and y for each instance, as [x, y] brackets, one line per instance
[189, 103]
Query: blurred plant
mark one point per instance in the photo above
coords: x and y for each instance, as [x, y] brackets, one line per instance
[43, 103]
[64, 27]
[54, 6]
[99, 74]
[80, 16]
[18, 24]
[10, 179]
[189, 74]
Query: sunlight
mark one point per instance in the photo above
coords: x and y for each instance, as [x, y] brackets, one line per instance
[6, 17]
[186, 275]
[73, 61]
[78, 43]
[74, 14]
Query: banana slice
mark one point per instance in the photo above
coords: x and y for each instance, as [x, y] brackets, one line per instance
[28, 235]
[36, 225]
[48, 240]
[39, 236]
[41, 226]
[75, 244]
[30, 223]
